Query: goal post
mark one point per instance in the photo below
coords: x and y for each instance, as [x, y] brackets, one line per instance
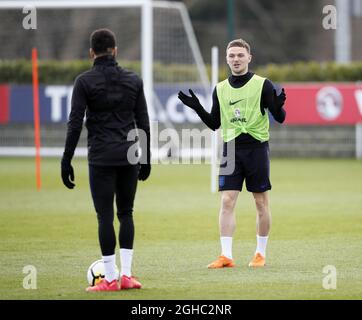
[154, 37]
[147, 7]
[147, 27]
[214, 137]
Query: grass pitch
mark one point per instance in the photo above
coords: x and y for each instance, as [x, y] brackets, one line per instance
[316, 221]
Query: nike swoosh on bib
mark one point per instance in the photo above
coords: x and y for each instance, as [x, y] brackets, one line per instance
[231, 103]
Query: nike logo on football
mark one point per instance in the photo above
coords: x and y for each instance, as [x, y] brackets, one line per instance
[231, 103]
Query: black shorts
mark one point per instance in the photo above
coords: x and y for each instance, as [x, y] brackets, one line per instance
[251, 165]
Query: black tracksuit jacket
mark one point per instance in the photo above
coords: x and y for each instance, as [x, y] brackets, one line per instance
[113, 101]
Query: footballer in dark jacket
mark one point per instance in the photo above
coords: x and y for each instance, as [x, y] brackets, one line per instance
[113, 101]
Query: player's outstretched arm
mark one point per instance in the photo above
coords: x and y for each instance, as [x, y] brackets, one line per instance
[212, 120]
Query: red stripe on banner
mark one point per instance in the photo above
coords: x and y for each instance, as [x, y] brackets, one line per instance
[4, 104]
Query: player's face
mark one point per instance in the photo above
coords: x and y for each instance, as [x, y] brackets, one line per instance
[238, 60]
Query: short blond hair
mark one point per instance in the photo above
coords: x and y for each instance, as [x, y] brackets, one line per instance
[239, 43]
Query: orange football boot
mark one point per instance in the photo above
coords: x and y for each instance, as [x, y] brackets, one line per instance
[129, 283]
[257, 261]
[221, 262]
[104, 285]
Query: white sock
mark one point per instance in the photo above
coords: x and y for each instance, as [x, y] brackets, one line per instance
[261, 243]
[110, 267]
[126, 261]
[226, 246]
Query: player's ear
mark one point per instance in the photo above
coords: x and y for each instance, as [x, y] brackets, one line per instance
[91, 53]
[250, 57]
[115, 52]
[227, 59]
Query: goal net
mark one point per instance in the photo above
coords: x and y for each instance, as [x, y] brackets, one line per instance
[154, 38]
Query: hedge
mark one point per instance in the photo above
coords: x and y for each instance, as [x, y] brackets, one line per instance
[312, 71]
[64, 72]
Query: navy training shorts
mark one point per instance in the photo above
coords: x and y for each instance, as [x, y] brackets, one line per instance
[251, 165]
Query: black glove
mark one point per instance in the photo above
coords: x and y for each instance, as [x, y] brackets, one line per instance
[280, 99]
[67, 172]
[145, 170]
[192, 102]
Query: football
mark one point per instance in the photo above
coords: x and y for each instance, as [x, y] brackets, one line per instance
[95, 272]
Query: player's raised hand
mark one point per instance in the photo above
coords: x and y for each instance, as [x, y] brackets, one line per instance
[67, 174]
[279, 99]
[190, 101]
